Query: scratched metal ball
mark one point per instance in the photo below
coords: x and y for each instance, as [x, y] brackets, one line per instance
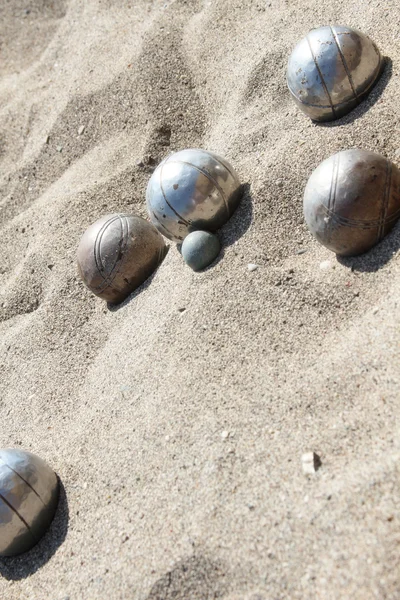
[117, 254]
[331, 70]
[200, 249]
[352, 200]
[29, 493]
[192, 190]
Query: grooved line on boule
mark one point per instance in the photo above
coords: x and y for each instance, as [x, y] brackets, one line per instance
[217, 159]
[332, 179]
[346, 68]
[150, 204]
[207, 174]
[24, 480]
[225, 165]
[14, 510]
[163, 226]
[322, 79]
[385, 200]
[97, 244]
[165, 197]
[332, 196]
[345, 102]
[123, 240]
[359, 223]
[111, 276]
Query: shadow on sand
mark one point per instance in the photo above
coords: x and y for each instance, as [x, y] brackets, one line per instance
[377, 257]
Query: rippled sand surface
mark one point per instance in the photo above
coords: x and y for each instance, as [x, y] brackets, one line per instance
[178, 434]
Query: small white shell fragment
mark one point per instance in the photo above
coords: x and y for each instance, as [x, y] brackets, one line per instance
[325, 265]
[251, 267]
[310, 462]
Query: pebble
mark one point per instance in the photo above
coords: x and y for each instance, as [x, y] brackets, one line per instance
[59, 148]
[310, 462]
[199, 249]
[251, 267]
[375, 310]
[301, 251]
[325, 265]
[81, 129]
[225, 435]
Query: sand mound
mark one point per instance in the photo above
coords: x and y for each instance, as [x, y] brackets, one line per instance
[177, 420]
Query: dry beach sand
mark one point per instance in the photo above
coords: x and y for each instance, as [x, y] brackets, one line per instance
[177, 421]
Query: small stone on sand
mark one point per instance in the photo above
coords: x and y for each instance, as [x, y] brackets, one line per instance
[251, 267]
[310, 462]
[325, 265]
[199, 249]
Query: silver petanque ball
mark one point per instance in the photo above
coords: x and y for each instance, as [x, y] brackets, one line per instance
[352, 200]
[192, 190]
[200, 249]
[29, 492]
[331, 70]
[117, 254]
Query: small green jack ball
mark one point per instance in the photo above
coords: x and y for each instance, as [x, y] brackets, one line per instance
[200, 249]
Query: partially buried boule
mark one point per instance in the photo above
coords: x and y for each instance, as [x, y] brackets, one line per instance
[331, 70]
[192, 190]
[117, 254]
[200, 249]
[352, 200]
[29, 492]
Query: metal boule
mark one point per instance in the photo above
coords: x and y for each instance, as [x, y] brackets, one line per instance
[29, 492]
[192, 190]
[331, 70]
[352, 200]
[117, 254]
[200, 249]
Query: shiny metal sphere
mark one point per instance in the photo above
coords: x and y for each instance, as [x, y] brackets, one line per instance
[29, 492]
[352, 200]
[200, 249]
[192, 190]
[117, 254]
[331, 70]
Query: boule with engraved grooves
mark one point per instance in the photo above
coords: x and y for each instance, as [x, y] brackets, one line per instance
[117, 254]
[29, 491]
[331, 70]
[352, 200]
[192, 190]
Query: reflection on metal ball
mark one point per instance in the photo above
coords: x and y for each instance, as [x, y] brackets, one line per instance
[200, 249]
[117, 254]
[352, 200]
[331, 70]
[29, 493]
[192, 190]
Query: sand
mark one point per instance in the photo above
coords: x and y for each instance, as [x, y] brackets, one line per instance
[178, 434]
